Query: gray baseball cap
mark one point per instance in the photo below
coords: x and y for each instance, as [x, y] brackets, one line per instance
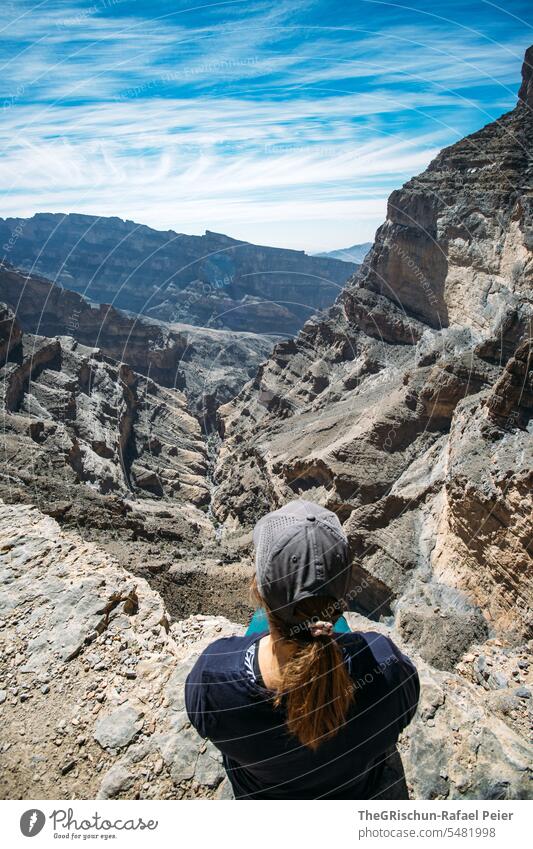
[300, 551]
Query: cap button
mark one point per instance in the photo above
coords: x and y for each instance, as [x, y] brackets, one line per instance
[311, 518]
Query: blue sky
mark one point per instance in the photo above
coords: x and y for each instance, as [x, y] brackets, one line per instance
[284, 123]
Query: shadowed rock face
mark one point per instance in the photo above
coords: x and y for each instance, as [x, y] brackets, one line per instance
[201, 280]
[407, 410]
[210, 366]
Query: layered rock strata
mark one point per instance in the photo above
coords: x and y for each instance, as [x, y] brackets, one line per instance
[86, 436]
[210, 366]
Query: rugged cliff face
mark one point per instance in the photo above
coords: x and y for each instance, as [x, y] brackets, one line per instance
[201, 280]
[107, 450]
[407, 410]
[210, 366]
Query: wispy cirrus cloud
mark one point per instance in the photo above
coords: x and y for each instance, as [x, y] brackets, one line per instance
[286, 123]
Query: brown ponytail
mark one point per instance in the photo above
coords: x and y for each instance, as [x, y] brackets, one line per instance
[315, 687]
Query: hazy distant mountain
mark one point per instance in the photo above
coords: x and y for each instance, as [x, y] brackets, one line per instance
[209, 280]
[356, 253]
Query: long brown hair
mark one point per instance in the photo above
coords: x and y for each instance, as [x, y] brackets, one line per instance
[315, 687]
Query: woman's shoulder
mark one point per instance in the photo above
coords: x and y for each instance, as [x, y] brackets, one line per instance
[372, 648]
[372, 640]
[222, 658]
[225, 645]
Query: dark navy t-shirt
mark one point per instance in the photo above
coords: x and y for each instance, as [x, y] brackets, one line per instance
[226, 703]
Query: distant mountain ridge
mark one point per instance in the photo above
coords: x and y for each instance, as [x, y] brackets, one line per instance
[355, 254]
[211, 280]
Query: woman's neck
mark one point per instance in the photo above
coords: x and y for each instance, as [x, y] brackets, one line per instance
[274, 652]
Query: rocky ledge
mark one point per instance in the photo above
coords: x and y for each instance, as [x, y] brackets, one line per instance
[91, 689]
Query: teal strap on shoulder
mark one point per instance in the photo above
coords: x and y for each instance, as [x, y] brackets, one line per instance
[259, 624]
[341, 626]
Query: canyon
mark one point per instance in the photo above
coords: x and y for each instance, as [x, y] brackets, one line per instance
[139, 451]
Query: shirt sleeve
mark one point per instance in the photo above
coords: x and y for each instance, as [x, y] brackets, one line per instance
[406, 680]
[197, 698]
[401, 676]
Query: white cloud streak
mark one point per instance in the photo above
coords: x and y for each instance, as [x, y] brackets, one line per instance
[217, 121]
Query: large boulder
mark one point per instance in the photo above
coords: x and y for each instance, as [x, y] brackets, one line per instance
[93, 673]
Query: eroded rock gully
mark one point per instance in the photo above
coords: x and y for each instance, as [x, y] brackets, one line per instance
[120, 458]
[208, 365]
[406, 409]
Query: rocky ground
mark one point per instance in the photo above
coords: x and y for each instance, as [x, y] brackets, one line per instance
[91, 689]
[213, 580]
[92, 673]
[505, 673]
